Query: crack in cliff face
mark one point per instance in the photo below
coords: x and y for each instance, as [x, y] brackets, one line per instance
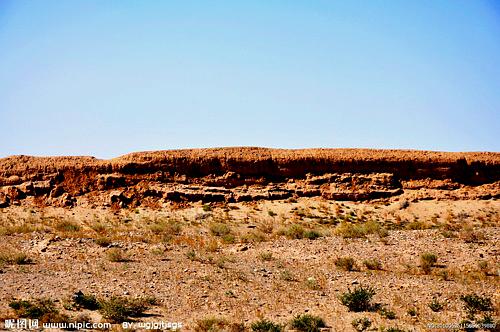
[242, 174]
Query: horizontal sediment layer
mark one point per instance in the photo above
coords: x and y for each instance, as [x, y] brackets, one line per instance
[229, 173]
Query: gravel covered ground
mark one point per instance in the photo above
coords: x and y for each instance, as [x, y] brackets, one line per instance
[245, 262]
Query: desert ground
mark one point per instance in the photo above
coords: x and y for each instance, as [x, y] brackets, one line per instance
[253, 240]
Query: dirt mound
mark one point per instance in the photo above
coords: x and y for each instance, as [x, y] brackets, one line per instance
[243, 174]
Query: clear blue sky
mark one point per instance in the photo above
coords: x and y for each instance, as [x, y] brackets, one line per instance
[106, 78]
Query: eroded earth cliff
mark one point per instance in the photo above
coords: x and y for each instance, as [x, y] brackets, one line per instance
[247, 174]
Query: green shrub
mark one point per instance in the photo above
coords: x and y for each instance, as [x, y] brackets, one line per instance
[254, 236]
[36, 309]
[312, 234]
[418, 225]
[19, 258]
[387, 313]
[166, 228]
[483, 266]
[211, 324]
[266, 256]
[295, 231]
[265, 325]
[361, 324]
[191, 255]
[67, 226]
[474, 304]
[360, 230]
[286, 275]
[118, 309]
[116, 255]
[427, 261]
[435, 305]
[102, 241]
[219, 229]
[472, 236]
[412, 312]
[345, 263]
[393, 329]
[312, 283]
[229, 238]
[373, 264]
[89, 302]
[358, 299]
[307, 323]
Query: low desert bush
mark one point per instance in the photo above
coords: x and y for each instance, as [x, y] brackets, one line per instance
[211, 324]
[83, 301]
[428, 261]
[116, 255]
[361, 324]
[229, 238]
[360, 230]
[219, 229]
[313, 284]
[41, 309]
[358, 299]
[386, 313]
[474, 304]
[470, 235]
[484, 267]
[295, 231]
[167, 230]
[118, 309]
[265, 325]
[312, 234]
[99, 227]
[266, 256]
[212, 245]
[67, 226]
[448, 234]
[412, 312]
[373, 264]
[286, 275]
[11, 258]
[191, 255]
[19, 229]
[254, 236]
[265, 227]
[103, 241]
[345, 263]
[307, 323]
[392, 329]
[435, 305]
